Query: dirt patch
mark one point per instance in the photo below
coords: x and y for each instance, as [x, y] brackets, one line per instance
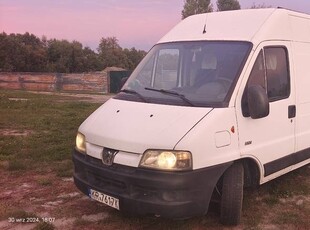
[15, 132]
[18, 99]
[91, 98]
[58, 203]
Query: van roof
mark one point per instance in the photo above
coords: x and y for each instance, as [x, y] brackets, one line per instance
[254, 25]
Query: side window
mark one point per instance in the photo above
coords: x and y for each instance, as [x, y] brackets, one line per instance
[270, 71]
[258, 73]
[278, 84]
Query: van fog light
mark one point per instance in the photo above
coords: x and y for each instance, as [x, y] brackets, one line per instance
[167, 160]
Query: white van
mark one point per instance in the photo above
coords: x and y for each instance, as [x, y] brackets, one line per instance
[220, 103]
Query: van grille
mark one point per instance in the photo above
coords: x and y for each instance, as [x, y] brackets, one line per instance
[94, 177]
[120, 168]
[104, 182]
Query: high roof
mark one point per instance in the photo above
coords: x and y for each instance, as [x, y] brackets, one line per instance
[254, 25]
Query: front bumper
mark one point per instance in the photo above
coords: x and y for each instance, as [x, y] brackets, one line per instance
[149, 192]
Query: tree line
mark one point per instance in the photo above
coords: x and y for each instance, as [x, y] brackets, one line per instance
[29, 53]
[192, 7]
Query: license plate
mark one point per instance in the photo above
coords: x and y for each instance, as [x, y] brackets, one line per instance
[105, 199]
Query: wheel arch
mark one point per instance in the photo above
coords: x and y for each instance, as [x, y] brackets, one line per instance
[252, 172]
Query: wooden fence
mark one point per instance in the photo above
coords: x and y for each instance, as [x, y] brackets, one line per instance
[92, 82]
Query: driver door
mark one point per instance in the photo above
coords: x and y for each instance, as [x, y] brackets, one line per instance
[271, 139]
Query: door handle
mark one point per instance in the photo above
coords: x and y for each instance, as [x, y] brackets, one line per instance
[291, 111]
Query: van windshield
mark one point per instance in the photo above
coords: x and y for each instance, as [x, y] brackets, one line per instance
[201, 73]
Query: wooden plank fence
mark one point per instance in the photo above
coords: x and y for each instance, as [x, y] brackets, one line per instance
[94, 82]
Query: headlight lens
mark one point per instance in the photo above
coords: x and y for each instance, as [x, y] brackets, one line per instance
[167, 160]
[80, 143]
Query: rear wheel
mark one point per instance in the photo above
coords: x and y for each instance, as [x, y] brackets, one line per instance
[232, 195]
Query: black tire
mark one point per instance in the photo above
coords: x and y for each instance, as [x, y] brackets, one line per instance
[232, 195]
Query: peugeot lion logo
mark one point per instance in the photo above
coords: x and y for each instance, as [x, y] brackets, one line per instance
[108, 156]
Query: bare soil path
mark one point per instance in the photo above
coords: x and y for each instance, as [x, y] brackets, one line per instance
[92, 98]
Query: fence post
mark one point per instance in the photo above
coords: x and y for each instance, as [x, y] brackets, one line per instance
[59, 82]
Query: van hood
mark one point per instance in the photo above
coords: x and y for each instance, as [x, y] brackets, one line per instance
[135, 126]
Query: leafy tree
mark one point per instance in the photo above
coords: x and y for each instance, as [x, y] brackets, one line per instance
[110, 53]
[192, 7]
[224, 5]
[91, 60]
[133, 57]
[258, 6]
[21, 52]
[28, 53]
[32, 51]
[70, 57]
[59, 56]
[6, 45]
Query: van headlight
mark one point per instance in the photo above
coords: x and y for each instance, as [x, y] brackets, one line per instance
[80, 143]
[167, 160]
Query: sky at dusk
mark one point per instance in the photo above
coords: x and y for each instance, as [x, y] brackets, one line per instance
[135, 23]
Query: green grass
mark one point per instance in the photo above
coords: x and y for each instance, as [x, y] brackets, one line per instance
[44, 182]
[52, 125]
[17, 165]
[287, 186]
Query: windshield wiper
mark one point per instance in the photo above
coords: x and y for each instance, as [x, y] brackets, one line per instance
[130, 91]
[172, 93]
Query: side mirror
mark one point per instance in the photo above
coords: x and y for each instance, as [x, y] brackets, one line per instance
[258, 102]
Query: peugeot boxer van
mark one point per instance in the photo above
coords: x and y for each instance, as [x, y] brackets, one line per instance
[220, 103]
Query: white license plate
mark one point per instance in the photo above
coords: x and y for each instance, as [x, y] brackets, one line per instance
[103, 198]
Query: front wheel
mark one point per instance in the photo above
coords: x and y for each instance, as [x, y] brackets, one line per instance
[232, 194]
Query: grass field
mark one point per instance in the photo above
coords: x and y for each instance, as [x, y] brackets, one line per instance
[37, 134]
[42, 128]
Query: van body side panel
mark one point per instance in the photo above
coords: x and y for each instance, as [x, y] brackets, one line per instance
[302, 70]
[214, 140]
